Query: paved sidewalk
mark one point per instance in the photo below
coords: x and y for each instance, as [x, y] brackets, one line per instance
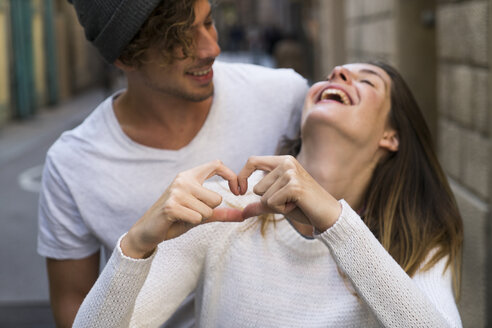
[23, 145]
[19, 136]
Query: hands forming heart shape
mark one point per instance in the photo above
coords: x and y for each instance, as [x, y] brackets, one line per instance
[286, 189]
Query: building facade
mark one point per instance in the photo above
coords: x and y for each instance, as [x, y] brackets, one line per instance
[44, 57]
[442, 48]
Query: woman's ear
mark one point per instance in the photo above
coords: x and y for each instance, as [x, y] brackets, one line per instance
[390, 140]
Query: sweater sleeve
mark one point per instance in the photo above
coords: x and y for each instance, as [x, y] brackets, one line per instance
[396, 299]
[145, 293]
[108, 303]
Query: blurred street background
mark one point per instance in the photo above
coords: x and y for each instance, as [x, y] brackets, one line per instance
[51, 79]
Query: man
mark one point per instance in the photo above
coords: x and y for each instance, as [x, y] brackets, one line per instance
[180, 110]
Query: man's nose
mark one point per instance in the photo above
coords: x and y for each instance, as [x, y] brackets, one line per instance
[206, 43]
[340, 73]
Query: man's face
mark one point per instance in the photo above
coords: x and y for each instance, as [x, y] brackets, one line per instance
[191, 78]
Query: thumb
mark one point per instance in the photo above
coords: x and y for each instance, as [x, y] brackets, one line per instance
[226, 214]
[255, 209]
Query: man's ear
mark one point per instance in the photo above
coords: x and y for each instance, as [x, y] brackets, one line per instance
[125, 68]
[390, 140]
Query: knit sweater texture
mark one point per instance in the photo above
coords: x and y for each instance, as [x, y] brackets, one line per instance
[341, 278]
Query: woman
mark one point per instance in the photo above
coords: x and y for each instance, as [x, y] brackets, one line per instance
[366, 234]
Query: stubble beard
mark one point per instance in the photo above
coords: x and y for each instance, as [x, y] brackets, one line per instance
[181, 93]
[192, 97]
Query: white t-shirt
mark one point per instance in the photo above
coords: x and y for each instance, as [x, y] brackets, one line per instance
[97, 182]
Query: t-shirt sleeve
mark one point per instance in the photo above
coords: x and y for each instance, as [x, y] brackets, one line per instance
[62, 233]
[298, 90]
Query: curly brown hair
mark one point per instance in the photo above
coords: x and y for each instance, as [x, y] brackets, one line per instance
[167, 28]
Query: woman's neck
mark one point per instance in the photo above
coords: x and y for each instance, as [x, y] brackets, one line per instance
[340, 168]
[342, 171]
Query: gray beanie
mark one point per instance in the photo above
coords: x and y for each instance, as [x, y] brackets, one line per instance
[110, 25]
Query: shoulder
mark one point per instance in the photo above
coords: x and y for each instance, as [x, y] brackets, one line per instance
[253, 74]
[84, 138]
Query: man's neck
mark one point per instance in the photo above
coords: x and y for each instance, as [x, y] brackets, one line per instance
[158, 120]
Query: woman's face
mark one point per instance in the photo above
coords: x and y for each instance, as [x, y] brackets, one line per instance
[354, 101]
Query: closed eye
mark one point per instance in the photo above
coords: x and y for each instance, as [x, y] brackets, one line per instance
[367, 82]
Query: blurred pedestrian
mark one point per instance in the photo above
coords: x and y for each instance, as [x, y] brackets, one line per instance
[180, 109]
[236, 37]
[289, 53]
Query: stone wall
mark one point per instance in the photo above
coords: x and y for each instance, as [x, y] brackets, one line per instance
[442, 49]
[465, 120]
[370, 30]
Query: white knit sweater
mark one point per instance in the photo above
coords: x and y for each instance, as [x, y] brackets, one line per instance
[341, 278]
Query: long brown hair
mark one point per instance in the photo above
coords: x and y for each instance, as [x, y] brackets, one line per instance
[409, 205]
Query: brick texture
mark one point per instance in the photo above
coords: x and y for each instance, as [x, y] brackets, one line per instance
[443, 90]
[371, 40]
[480, 101]
[450, 144]
[476, 163]
[472, 305]
[460, 94]
[463, 31]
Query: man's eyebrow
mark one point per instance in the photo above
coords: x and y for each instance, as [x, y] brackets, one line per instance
[370, 71]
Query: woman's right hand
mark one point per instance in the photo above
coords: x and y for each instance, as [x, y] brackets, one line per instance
[289, 189]
[185, 204]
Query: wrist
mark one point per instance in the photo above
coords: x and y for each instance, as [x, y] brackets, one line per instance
[331, 217]
[131, 248]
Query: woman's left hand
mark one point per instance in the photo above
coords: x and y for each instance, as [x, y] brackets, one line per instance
[288, 189]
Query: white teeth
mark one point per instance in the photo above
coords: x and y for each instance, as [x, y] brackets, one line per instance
[335, 94]
[201, 73]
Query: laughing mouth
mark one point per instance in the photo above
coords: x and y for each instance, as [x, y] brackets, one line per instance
[200, 73]
[336, 95]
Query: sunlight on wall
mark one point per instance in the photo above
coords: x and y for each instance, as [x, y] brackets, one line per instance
[4, 62]
[39, 53]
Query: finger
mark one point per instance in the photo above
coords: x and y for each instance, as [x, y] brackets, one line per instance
[208, 170]
[254, 163]
[197, 206]
[270, 183]
[226, 214]
[211, 198]
[184, 213]
[255, 209]
[281, 200]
